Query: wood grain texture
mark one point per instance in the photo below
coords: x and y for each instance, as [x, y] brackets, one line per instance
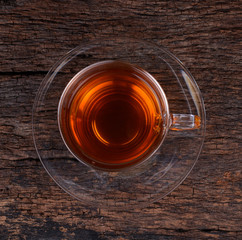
[205, 35]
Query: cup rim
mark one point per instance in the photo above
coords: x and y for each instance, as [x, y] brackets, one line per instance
[165, 127]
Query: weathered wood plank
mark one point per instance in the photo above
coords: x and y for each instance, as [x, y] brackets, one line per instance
[205, 35]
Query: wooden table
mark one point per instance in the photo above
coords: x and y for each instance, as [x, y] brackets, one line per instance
[205, 35]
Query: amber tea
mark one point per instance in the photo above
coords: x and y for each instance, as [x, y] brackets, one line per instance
[110, 115]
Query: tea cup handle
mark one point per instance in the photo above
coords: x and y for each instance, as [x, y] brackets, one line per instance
[181, 122]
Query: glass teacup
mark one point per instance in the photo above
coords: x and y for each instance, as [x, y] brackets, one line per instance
[113, 115]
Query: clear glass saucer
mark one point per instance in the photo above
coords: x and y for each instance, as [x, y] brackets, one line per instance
[134, 187]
